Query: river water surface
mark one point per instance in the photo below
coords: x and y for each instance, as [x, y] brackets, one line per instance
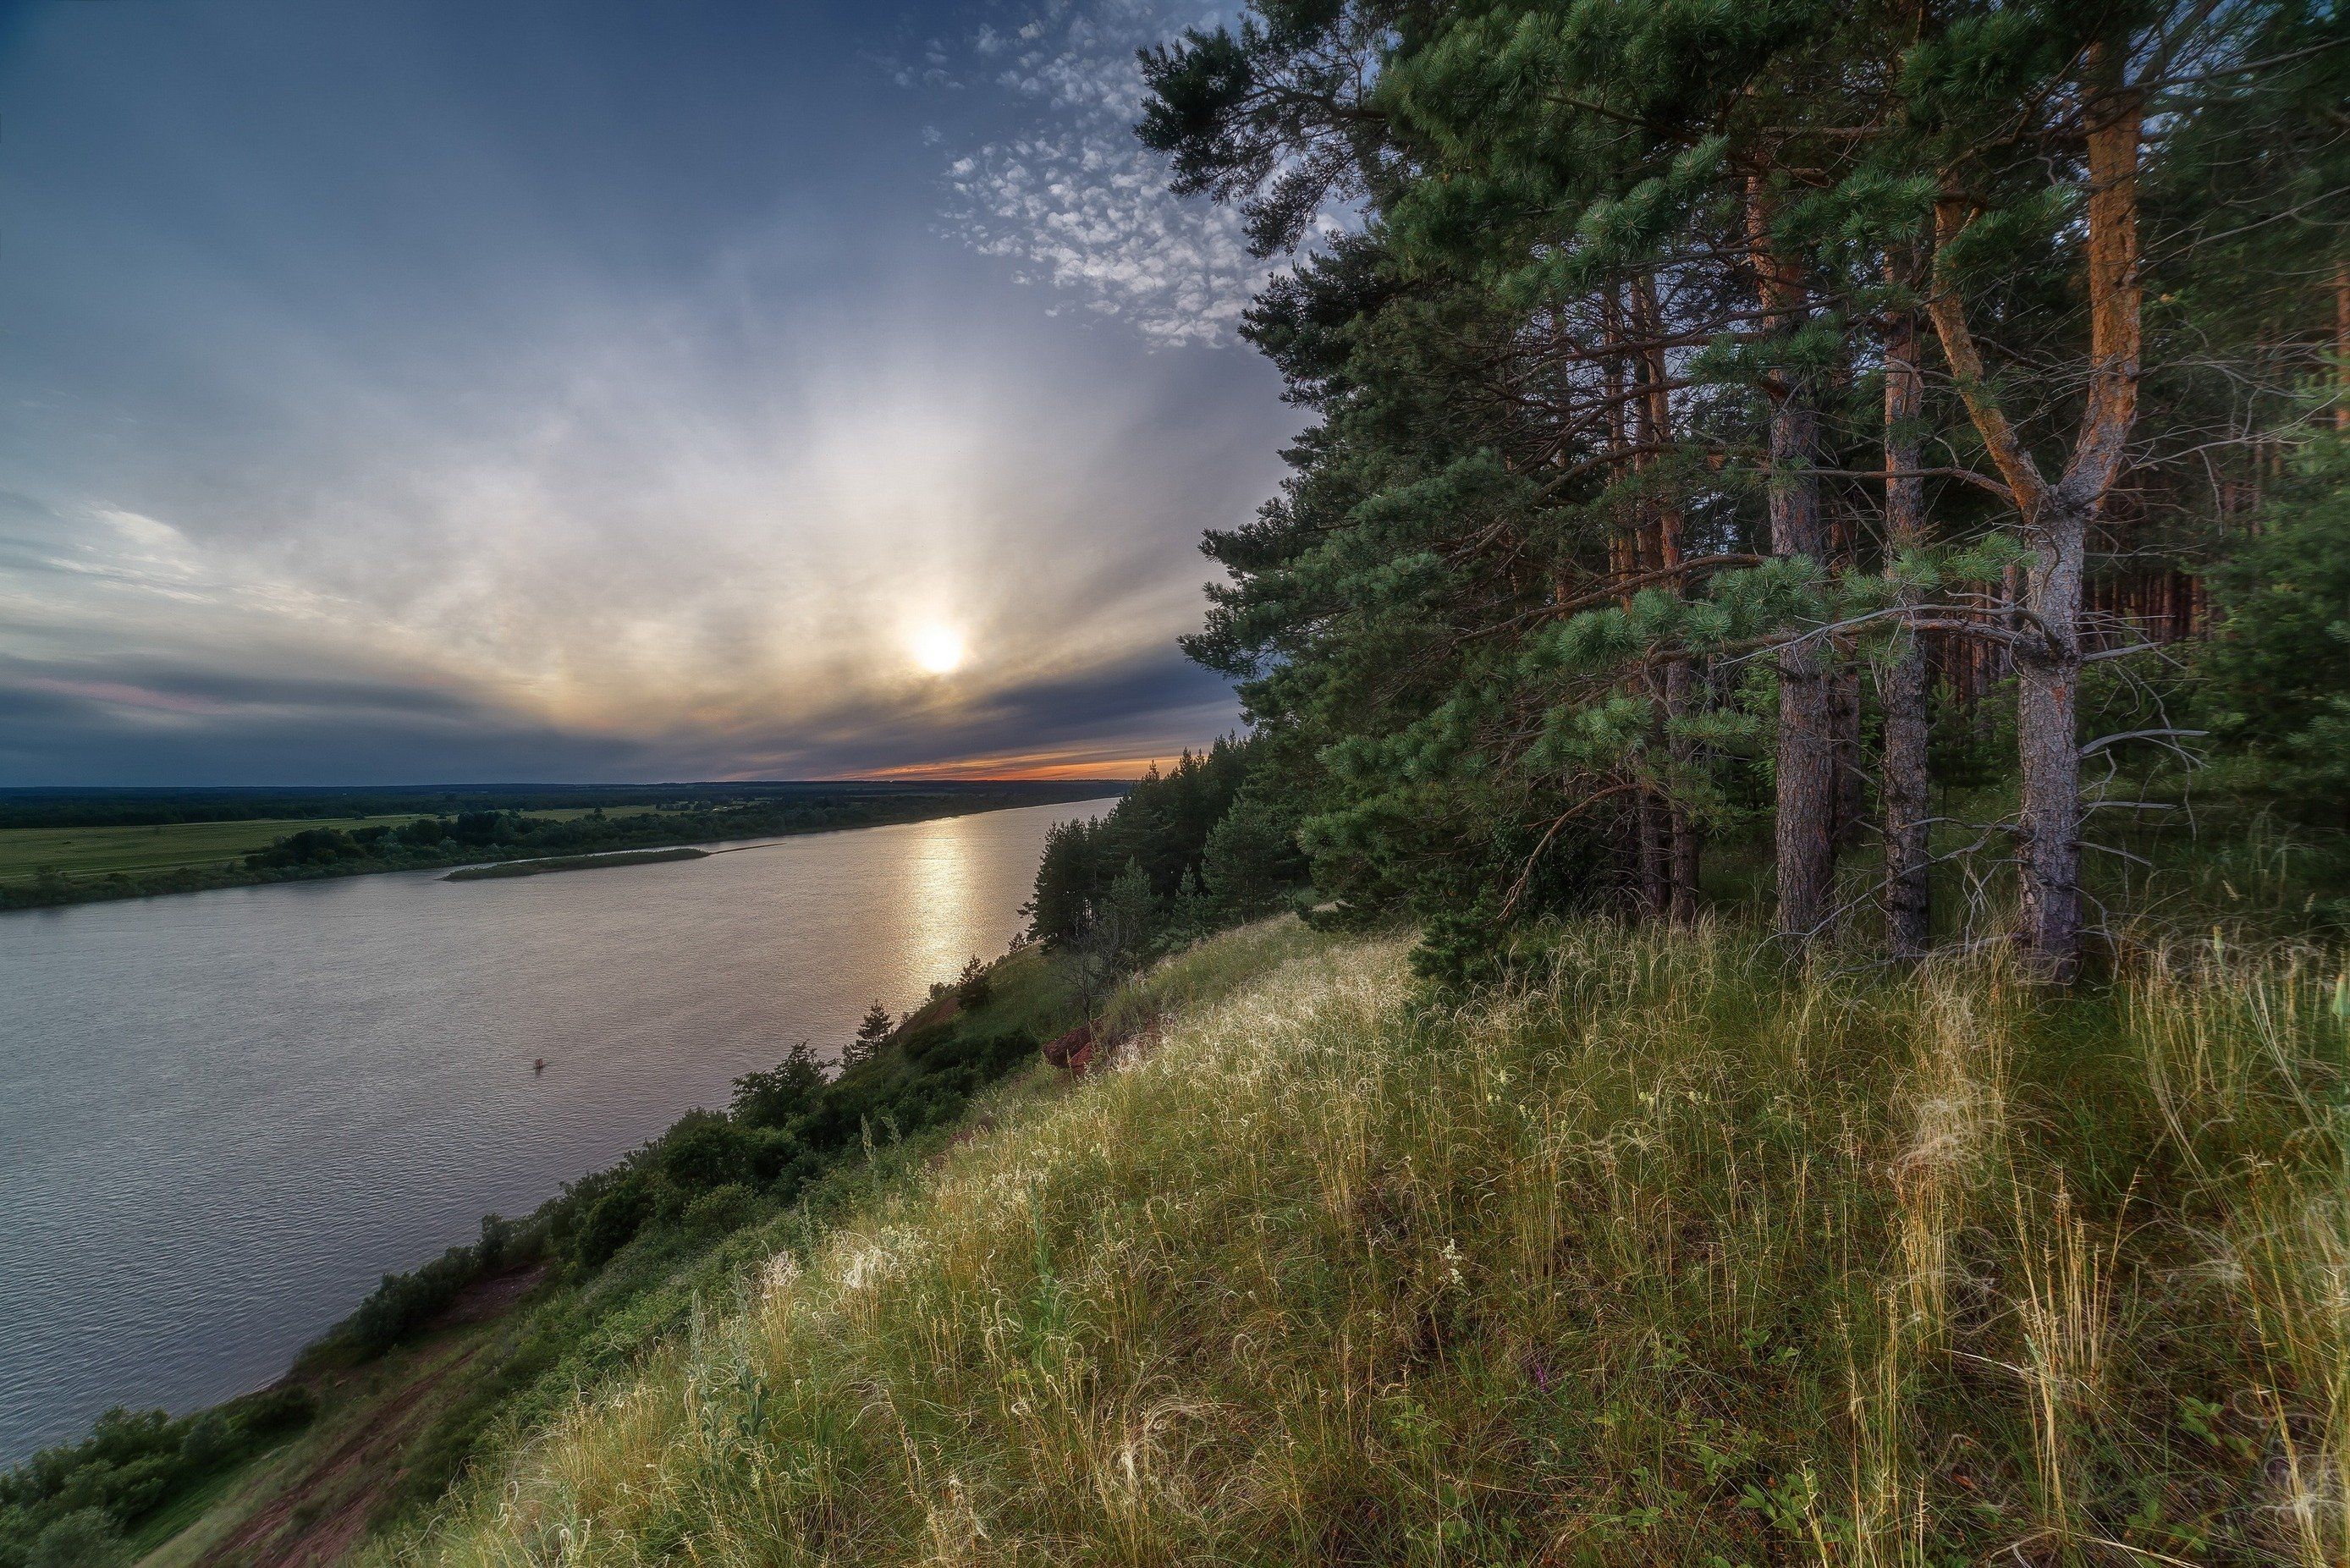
[223, 1115]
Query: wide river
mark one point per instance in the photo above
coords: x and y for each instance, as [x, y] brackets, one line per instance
[223, 1116]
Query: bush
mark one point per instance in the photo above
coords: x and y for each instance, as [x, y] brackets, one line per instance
[403, 1303]
[789, 1089]
[721, 1209]
[70, 1503]
[213, 1437]
[276, 1410]
[775, 1151]
[706, 1150]
[613, 1219]
[85, 1538]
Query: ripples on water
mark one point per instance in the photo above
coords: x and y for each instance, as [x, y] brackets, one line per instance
[222, 1115]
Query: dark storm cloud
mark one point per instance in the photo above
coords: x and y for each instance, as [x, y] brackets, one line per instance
[138, 728]
[71, 733]
[1122, 711]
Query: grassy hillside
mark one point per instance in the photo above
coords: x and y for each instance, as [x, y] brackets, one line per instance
[313, 1497]
[1666, 1257]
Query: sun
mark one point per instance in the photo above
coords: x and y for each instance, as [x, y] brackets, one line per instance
[938, 649]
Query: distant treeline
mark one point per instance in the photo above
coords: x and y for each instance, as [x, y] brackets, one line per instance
[473, 836]
[148, 807]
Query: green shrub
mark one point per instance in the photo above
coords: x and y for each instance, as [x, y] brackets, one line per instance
[70, 1503]
[613, 1219]
[720, 1210]
[787, 1090]
[85, 1538]
[706, 1150]
[2277, 674]
[273, 1411]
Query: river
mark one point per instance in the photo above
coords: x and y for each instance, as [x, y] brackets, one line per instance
[223, 1116]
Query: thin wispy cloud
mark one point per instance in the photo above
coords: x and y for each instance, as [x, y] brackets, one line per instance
[1070, 199]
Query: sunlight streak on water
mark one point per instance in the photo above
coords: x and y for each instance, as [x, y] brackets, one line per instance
[946, 900]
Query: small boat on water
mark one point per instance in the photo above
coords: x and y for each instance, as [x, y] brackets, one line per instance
[539, 1065]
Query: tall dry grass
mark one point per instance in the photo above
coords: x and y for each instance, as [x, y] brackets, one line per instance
[1663, 1255]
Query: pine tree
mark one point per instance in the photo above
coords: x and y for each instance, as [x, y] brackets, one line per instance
[1687, 356]
[872, 1032]
[974, 985]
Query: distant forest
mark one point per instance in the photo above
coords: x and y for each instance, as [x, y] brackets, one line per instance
[141, 807]
[351, 837]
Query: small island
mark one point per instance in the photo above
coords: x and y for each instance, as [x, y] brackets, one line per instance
[571, 863]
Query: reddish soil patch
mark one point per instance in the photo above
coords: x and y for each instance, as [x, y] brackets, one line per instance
[301, 1527]
[323, 1514]
[1072, 1052]
[491, 1296]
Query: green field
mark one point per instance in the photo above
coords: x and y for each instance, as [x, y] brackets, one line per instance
[99, 851]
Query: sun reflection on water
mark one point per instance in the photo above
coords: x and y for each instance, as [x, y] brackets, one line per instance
[938, 898]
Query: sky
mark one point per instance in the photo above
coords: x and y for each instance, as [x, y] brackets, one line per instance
[393, 390]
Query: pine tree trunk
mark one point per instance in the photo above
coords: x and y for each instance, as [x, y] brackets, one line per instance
[1849, 816]
[1844, 716]
[2048, 674]
[1902, 684]
[1682, 844]
[1688, 845]
[1805, 825]
[2047, 735]
[1908, 789]
[1623, 566]
[2342, 345]
[1656, 897]
[1806, 835]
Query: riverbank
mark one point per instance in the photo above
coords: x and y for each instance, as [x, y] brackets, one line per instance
[49, 867]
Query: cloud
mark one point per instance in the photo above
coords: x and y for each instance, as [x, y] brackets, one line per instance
[421, 433]
[1070, 199]
[150, 723]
